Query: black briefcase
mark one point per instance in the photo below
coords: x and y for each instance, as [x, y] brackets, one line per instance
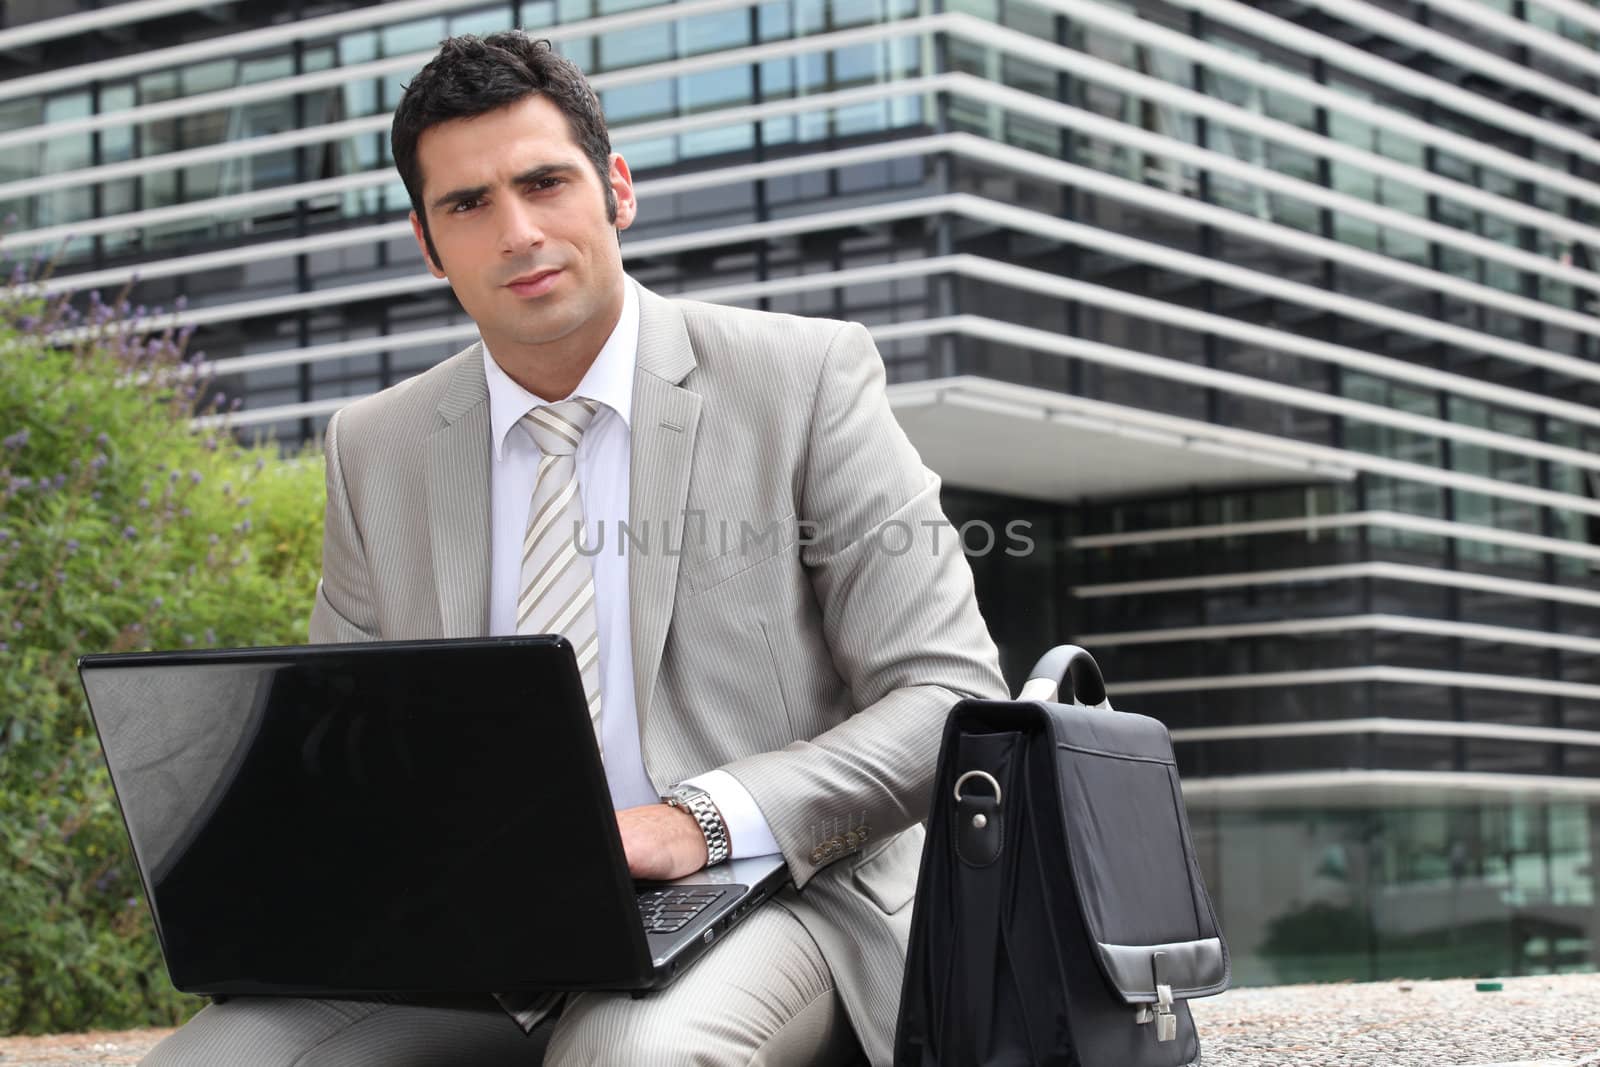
[1060, 918]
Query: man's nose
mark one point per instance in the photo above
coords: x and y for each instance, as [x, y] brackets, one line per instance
[520, 229]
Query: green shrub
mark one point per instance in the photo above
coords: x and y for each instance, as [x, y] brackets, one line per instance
[122, 526]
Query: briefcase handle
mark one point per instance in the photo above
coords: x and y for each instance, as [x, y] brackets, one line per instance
[1069, 671]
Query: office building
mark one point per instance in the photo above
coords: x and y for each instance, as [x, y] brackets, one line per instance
[1276, 322]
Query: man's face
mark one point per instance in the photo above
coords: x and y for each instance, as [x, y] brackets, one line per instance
[518, 216]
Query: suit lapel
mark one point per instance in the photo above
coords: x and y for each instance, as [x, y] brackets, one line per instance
[665, 419]
[458, 499]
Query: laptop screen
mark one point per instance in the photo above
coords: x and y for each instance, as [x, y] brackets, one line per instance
[415, 816]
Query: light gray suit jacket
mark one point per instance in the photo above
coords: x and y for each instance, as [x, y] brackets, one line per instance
[815, 664]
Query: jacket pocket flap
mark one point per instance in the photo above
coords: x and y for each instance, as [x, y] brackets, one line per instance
[750, 547]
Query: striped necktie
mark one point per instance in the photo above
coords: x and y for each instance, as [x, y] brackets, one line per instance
[557, 580]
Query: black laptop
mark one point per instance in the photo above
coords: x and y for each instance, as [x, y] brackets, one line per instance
[430, 816]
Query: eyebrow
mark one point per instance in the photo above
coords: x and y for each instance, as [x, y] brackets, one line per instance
[527, 177]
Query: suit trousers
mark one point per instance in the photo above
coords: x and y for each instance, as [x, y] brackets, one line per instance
[763, 996]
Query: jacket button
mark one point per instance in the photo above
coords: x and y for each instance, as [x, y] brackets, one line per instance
[816, 854]
[852, 839]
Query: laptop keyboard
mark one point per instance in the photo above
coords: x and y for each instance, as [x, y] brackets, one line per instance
[670, 909]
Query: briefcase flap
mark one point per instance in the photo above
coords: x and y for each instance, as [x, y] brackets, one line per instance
[1133, 863]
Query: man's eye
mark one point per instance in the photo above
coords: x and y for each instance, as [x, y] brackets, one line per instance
[461, 206]
[547, 183]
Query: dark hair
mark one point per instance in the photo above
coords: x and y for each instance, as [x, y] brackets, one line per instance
[475, 75]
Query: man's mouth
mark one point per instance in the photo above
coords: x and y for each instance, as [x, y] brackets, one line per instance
[534, 282]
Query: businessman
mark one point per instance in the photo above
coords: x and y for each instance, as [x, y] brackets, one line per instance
[758, 647]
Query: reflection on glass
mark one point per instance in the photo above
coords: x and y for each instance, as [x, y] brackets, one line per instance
[1502, 887]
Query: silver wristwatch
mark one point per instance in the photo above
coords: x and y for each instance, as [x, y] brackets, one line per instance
[697, 802]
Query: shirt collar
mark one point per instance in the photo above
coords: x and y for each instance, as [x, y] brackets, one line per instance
[609, 379]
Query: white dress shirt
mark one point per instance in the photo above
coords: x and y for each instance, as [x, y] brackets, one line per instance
[603, 462]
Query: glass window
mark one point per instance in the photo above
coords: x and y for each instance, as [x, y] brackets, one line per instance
[418, 35]
[481, 23]
[717, 32]
[634, 47]
[535, 14]
[640, 102]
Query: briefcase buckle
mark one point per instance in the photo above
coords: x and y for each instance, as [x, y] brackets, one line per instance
[1160, 1013]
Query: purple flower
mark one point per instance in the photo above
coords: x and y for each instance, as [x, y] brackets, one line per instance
[129, 532]
[72, 546]
[5, 646]
[144, 502]
[116, 583]
[61, 479]
[157, 602]
[16, 440]
[98, 462]
[194, 477]
[27, 323]
[21, 483]
[188, 639]
[213, 538]
[17, 626]
[102, 439]
[211, 636]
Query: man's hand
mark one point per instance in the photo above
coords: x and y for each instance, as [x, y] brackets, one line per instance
[661, 842]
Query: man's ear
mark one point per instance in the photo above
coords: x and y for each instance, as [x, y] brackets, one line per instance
[422, 245]
[622, 185]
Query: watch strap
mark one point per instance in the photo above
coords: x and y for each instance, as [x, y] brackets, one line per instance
[698, 803]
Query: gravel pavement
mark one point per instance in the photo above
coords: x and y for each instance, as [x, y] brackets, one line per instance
[1532, 1022]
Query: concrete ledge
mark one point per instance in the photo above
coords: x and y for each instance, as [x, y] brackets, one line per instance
[1549, 1021]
